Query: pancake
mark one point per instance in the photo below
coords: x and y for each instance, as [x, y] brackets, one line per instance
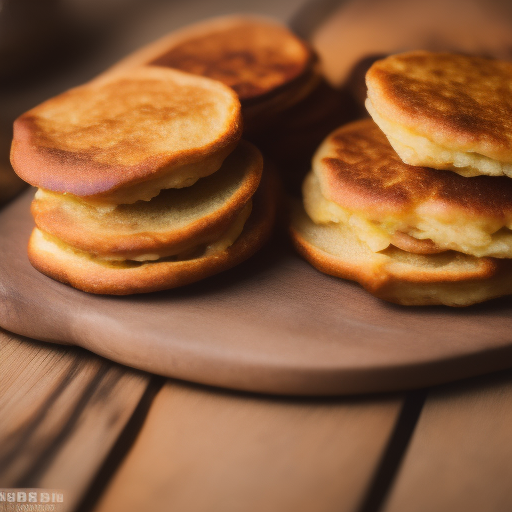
[95, 275]
[358, 180]
[445, 111]
[450, 278]
[124, 137]
[261, 60]
[174, 221]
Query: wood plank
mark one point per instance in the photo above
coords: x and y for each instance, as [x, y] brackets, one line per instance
[254, 328]
[61, 411]
[460, 457]
[203, 449]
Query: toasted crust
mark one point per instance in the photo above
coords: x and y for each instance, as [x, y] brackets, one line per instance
[358, 169]
[459, 102]
[170, 223]
[268, 66]
[93, 276]
[126, 136]
[410, 244]
[253, 55]
[358, 179]
[451, 278]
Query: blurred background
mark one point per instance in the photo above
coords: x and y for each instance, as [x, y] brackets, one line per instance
[48, 46]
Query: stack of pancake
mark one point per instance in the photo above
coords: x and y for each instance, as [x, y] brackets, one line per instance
[416, 204]
[143, 182]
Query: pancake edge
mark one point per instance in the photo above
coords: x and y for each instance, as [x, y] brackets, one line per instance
[91, 277]
[206, 228]
[409, 288]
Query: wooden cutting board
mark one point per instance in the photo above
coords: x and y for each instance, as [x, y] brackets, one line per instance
[272, 325]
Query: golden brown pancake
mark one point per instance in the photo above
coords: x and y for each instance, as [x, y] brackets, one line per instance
[449, 278]
[79, 269]
[175, 221]
[358, 180]
[445, 111]
[126, 136]
[261, 60]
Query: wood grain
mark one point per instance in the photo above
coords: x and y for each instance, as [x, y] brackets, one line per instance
[273, 324]
[61, 411]
[203, 449]
[460, 457]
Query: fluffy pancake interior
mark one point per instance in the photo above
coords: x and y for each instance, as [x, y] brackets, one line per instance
[416, 149]
[340, 240]
[323, 211]
[179, 177]
[448, 278]
[227, 239]
[460, 104]
[124, 137]
[463, 235]
[358, 179]
[172, 221]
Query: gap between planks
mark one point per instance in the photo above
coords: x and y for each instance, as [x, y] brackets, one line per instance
[203, 449]
[62, 410]
[460, 456]
[59, 437]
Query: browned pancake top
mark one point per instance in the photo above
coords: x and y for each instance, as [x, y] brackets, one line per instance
[459, 101]
[359, 170]
[252, 57]
[124, 130]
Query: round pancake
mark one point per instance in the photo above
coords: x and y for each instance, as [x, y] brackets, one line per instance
[359, 180]
[125, 137]
[261, 60]
[450, 278]
[172, 222]
[445, 111]
[80, 270]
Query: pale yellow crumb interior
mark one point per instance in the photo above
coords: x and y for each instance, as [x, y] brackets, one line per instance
[53, 244]
[483, 237]
[415, 149]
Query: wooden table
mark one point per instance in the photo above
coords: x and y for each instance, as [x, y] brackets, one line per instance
[116, 439]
